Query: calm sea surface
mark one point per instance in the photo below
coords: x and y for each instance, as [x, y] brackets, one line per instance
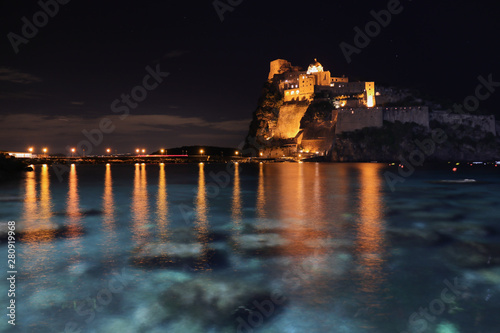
[196, 248]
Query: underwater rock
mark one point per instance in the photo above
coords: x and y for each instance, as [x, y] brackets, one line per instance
[218, 301]
[446, 327]
[263, 244]
[185, 325]
[404, 236]
[118, 325]
[491, 275]
[472, 254]
[149, 315]
[169, 254]
[48, 298]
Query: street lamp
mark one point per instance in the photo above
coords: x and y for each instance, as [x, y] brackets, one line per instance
[162, 151]
[108, 150]
[137, 151]
[30, 149]
[143, 151]
[236, 152]
[45, 151]
[72, 151]
[201, 151]
[261, 154]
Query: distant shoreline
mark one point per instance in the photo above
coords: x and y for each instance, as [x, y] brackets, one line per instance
[217, 160]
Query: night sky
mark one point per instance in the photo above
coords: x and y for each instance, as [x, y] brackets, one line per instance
[65, 78]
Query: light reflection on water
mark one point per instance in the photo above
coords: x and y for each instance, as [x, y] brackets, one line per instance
[236, 212]
[261, 194]
[73, 207]
[236, 209]
[162, 205]
[371, 243]
[201, 223]
[110, 239]
[140, 206]
[35, 258]
[333, 219]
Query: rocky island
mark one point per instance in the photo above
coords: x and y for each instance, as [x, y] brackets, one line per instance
[313, 114]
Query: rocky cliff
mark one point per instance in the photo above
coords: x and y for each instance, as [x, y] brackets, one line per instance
[394, 141]
[289, 117]
[277, 125]
[310, 127]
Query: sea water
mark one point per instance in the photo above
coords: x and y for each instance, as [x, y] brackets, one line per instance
[339, 249]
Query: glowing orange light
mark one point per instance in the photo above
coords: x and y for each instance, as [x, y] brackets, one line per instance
[454, 169]
[143, 151]
[236, 152]
[30, 149]
[108, 150]
[73, 150]
[370, 102]
[137, 151]
[201, 151]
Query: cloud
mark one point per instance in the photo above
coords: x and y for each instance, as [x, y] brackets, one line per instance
[19, 130]
[161, 122]
[15, 76]
[132, 125]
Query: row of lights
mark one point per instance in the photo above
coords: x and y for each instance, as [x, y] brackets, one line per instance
[73, 150]
[138, 151]
[31, 149]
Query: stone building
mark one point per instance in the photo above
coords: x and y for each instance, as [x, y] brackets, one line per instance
[298, 85]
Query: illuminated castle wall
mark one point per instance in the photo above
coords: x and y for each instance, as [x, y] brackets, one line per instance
[297, 85]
